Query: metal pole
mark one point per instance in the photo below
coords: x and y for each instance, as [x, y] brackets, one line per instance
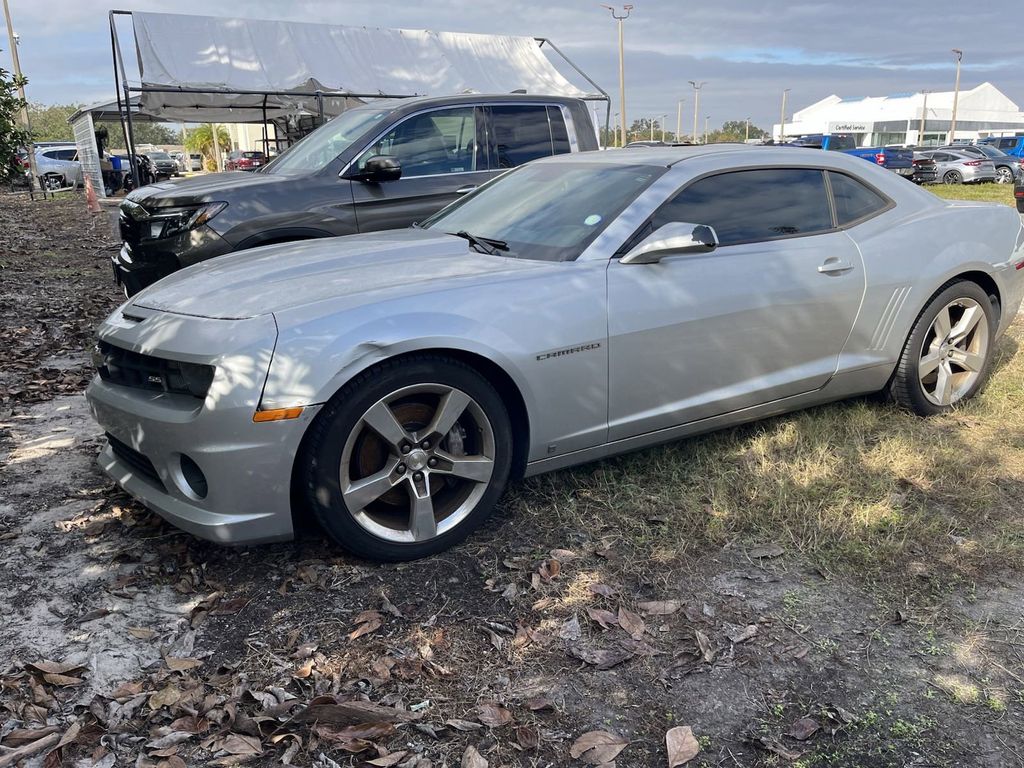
[129, 129]
[782, 121]
[31, 148]
[653, 121]
[622, 66]
[746, 136]
[696, 105]
[924, 112]
[679, 119]
[956, 95]
[707, 119]
[216, 146]
[664, 119]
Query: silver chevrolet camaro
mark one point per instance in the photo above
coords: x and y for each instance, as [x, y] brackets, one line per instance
[577, 307]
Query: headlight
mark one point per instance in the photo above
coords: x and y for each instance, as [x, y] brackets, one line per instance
[167, 222]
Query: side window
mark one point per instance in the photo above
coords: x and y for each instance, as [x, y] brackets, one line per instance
[67, 154]
[559, 134]
[442, 141]
[748, 206]
[520, 134]
[853, 200]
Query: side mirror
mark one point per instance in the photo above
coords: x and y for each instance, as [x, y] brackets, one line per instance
[672, 240]
[377, 169]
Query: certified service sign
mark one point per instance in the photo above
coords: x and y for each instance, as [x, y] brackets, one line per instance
[849, 127]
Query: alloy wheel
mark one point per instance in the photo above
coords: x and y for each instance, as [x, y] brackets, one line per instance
[954, 352]
[417, 463]
[953, 177]
[1004, 175]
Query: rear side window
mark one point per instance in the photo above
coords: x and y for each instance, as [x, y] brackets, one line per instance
[748, 206]
[520, 133]
[841, 142]
[559, 134]
[854, 201]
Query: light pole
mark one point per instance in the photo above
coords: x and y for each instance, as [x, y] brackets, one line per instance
[924, 112]
[746, 136]
[696, 104]
[664, 119]
[782, 123]
[622, 67]
[956, 95]
[31, 149]
[615, 130]
[707, 119]
[653, 121]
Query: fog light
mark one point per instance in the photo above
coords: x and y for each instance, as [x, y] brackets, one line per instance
[194, 477]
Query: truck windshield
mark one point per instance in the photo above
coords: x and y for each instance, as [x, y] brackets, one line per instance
[315, 151]
[547, 211]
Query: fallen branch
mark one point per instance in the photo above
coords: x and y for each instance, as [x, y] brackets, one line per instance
[21, 753]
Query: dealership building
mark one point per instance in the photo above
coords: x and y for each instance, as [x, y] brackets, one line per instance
[899, 118]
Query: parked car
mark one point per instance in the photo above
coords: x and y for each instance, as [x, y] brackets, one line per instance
[896, 159]
[647, 143]
[60, 164]
[245, 160]
[1018, 190]
[925, 170]
[195, 161]
[165, 165]
[378, 166]
[1006, 165]
[957, 167]
[1011, 145]
[575, 308]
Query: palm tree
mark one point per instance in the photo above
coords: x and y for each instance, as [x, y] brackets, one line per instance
[201, 140]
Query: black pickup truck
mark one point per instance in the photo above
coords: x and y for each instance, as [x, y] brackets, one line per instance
[383, 165]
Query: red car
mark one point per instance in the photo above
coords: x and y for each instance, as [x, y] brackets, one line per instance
[243, 160]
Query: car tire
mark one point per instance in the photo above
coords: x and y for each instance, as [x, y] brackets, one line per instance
[947, 356]
[952, 177]
[408, 458]
[1004, 175]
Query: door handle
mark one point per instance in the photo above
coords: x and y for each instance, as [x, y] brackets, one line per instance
[834, 266]
[464, 190]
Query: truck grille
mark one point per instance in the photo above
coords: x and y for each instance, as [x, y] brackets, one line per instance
[142, 466]
[132, 369]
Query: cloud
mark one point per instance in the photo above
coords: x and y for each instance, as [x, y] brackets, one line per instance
[747, 51]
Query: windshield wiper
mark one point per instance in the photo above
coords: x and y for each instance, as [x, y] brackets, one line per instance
[488, 245]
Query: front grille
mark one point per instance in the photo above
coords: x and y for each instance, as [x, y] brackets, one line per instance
[142, 466]
[132, 369]
[130, 229]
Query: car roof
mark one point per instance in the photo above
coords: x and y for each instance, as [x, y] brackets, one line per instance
[469, 98]
[737, 153]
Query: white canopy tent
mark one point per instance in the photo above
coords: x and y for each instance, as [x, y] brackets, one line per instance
[205, 68]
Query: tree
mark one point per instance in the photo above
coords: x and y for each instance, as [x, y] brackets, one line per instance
[50, 122]
[12, 134]
[201, 140]
[735, 130]
[145, 133]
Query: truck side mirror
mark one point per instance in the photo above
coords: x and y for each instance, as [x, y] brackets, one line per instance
[377, 169]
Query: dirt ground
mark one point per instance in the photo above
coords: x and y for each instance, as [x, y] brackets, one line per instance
[553, 637]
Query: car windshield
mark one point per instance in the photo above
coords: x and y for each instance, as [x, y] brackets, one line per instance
[253, 155]
[315, 151]
[159, 156]
[547, 211]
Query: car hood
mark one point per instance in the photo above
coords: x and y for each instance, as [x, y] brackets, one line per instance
[345, 271]
[214, 187]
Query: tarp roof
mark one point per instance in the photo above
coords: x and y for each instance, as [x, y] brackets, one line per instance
[246, 61]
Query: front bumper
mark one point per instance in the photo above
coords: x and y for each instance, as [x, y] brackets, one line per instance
[142, 262]
[247, 466]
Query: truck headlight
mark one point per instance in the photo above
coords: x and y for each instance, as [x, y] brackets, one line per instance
[168, 222]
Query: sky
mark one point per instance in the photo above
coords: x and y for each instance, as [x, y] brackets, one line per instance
[747, 51]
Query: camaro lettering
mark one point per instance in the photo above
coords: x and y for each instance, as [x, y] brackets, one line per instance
[569, 351]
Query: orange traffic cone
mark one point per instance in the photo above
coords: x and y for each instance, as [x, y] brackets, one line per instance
[90, 196]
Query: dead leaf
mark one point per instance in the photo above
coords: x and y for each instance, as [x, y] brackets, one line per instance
[176, 664]
[601, 658]
[707, 649]
[562, 555]
[141, 633]
[463, 725]
[527, 737]
[602, 617]
[602, 589]
[386, 761]
[742, 634]
[388, 607]
[239, 744]
[304, 671]
[493, 715]
[65, 681]
[473, 759]
[366, 622]
[537, 703]
[659, 607]
[570, 629]
[304, 651]
[631, 622]
[682, 745]
[165, 697]
[53, 667]
[803, 729]
[324, 709]
[597, 747]
[766, 551]
[549, 570]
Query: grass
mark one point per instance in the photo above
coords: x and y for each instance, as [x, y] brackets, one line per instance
[988, 193]
[859, 487]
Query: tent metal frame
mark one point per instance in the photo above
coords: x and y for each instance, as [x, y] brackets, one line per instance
[124, 90]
